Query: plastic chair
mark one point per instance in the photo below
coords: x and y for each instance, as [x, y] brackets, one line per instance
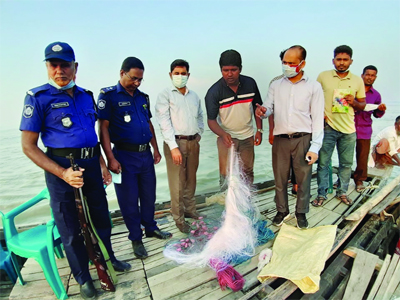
[7, 265]
[40, 243]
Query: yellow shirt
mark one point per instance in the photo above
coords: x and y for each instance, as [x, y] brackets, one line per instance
[333, 85]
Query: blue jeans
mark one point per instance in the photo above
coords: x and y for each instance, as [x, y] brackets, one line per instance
[345, 144]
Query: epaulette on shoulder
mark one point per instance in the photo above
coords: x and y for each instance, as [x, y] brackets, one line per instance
[108, 89]
[36, 90]
[89, 92]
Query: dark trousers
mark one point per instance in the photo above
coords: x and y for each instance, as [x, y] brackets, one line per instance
[286, 153]
[362, 152]
[138, 185]
[65, 214]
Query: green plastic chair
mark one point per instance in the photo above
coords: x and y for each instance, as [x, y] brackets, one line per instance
[40, 243]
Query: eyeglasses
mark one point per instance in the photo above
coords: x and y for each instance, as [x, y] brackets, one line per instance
[134, 79]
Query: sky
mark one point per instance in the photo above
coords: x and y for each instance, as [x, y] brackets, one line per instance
[104, 33]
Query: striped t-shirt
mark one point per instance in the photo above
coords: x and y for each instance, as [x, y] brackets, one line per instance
[234, 111]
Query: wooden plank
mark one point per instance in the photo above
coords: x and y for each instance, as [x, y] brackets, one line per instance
[394, 281]
[283, 291]
[339, 292]
[353, 251]
[389, 273]
[258, 289]
[361, 273]
[386, 201]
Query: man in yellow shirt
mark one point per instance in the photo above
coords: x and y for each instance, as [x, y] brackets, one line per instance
[343, 92]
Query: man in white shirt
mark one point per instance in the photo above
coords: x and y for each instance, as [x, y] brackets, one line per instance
[386, 147]
[180, 116]
[297, 103]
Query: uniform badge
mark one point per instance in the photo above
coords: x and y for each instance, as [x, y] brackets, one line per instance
[102, 104]
[66, 121]
[56, 48]
[28, 111]
[127, 118]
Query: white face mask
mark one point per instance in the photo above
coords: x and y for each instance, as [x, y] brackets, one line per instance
[71, 84]
[179, 81]
[289, 71]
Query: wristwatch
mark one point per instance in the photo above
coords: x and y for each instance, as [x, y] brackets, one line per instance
[260, 130]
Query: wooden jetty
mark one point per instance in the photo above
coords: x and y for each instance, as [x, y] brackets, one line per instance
[158, 278]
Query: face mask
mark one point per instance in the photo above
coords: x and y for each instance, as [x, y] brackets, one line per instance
[179, 81]
[289, 71]
[71, 84]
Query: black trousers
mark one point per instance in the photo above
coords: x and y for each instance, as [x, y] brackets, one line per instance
[287, 153]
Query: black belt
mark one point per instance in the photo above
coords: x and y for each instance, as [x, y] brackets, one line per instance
[293, 135]
[132, 147]
[185, 137]
[77, 153]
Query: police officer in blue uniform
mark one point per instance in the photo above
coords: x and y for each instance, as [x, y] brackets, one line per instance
[124, 120]
[65, 115]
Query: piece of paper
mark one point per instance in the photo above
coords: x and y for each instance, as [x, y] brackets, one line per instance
[116, 178]
[369, 107]
[339, 104]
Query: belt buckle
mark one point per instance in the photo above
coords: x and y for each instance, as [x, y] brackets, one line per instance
[85, 152]
[290, 136]
[142, 147]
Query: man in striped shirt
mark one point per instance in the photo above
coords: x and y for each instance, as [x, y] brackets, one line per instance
[230, 104]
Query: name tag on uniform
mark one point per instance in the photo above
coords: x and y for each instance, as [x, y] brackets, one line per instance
[59, 105]
[125, 103]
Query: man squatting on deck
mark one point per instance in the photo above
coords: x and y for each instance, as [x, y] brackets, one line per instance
[298, 106]
[124, 120]
[230, 104]
[386, 147]
[180, 116]
[65, 114]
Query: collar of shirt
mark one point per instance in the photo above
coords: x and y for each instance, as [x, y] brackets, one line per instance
[371, 90]
[55, 91]
[335, 74]
[174, 88]
[121, 89]
[304, 77]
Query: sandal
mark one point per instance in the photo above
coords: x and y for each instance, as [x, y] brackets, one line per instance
[317, 202]
[346, 200]
[360, 188]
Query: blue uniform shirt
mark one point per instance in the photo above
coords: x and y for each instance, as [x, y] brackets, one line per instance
[128, 116]
[63, 121]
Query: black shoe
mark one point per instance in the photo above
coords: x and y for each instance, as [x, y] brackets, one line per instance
[195, 216]
[301, 221]
[183, 227]
[88, 291]
[158, 234]
[121, 266]
[280, 217]
[139, 250]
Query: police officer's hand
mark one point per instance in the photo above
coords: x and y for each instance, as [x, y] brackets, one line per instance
[107, 178]
[198, 137]
[73, 178]
[176, 156]
[114, 165]
[271, 138]
[156, 156]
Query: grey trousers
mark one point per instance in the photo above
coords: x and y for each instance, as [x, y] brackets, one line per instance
[285, 153]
